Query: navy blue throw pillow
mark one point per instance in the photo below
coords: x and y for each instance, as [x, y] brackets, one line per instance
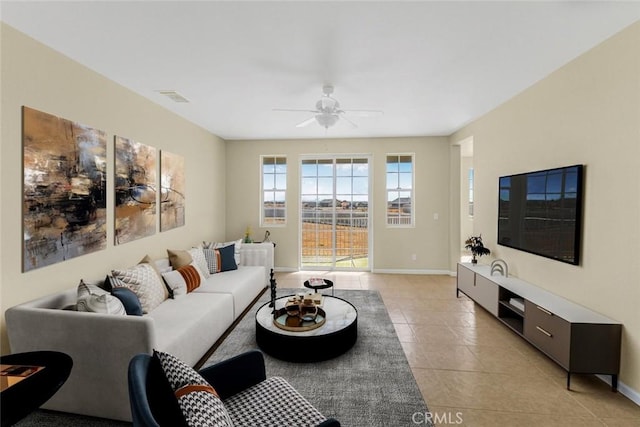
[129, 299]
[227, 258]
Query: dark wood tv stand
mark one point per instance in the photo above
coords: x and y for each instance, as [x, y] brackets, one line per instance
[576, 338]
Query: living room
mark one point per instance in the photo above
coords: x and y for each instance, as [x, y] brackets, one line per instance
[585, 112]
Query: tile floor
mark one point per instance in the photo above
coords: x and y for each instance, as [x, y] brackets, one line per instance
[471, 369]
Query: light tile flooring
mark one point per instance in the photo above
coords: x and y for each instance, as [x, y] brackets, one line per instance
[471, 369]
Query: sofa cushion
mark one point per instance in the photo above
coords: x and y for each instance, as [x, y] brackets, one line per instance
[144, 281]
[198, 401]
[128, 299]
[93, 299]
[188, 326]
[272, 402]
[244, 284]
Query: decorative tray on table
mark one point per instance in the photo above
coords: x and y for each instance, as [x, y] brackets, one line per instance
[299, 315]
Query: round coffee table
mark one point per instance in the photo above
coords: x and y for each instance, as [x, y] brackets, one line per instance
[337, 335]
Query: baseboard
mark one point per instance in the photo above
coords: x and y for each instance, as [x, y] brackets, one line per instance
[403, 271]
[379, 270]
[624, 389]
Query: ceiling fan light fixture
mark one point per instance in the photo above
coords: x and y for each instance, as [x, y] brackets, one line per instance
[327, 120]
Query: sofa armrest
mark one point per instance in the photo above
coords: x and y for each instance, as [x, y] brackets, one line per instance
[260, 254]
[101, 346]
[236, 374]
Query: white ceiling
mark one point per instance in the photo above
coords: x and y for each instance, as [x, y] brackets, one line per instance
[432, 67]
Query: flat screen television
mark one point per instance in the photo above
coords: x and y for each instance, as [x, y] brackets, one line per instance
[541, 212]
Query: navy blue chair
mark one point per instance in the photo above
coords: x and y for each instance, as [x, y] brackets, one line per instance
[153, 403]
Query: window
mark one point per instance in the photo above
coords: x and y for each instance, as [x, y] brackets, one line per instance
[471, 192]
[274, 189]
[400, 190]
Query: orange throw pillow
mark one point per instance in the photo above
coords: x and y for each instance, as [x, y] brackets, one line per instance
[190, 276]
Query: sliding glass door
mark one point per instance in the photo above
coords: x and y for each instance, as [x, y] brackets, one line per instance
[334, 212]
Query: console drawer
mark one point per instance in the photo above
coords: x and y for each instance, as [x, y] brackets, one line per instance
[548, 332]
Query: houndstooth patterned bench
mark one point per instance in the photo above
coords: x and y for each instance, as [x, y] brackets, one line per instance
[272, 403]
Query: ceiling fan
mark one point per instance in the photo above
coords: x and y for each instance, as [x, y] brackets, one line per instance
[328, 111]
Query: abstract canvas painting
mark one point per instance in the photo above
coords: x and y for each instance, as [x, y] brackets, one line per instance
[64, 189]
[172, 191]
[135, 190]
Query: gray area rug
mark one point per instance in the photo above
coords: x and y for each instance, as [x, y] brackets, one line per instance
[370, 385]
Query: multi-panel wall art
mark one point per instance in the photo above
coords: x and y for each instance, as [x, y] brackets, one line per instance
[172, 191]
[64, 189]
[135, 190]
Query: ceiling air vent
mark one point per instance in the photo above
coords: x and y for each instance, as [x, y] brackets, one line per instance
[173, 95]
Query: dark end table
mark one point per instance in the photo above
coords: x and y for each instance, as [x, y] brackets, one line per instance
[25, 396]
[325, 284]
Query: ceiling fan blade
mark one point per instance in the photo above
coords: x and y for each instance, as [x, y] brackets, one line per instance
[352, 124]
[364, 113]
[306, 122]
[290, 109]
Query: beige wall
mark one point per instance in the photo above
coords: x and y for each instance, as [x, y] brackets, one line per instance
[392, 247]
[38, 77]
[587, 112]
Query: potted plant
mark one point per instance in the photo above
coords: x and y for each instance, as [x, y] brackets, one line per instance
[477, 248]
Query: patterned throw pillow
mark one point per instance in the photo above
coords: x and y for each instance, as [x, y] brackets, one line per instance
[144, 281]
[213, 260]
[176, 283]
[92, 298]
[236, 252]
[183, 280]
[147, 259]
[198, 400]
[198, 258]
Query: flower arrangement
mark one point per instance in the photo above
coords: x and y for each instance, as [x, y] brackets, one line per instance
[477, 248]
[247, 235]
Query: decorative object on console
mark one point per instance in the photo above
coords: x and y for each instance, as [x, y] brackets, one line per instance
[64, 189]
[477, 248]
[135, 190]
[172, 186]
[247, 235]
[266, 237]
[500, 266]
[272, 285]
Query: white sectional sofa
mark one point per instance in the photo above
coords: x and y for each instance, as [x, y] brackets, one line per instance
[102, 345]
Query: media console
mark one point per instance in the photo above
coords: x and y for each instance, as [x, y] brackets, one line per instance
[576, 338]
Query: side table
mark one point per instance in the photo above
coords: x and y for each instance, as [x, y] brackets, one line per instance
[325, 284]
[20, 399]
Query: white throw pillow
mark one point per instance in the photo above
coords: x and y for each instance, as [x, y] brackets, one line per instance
[176, 283]
[94, 299]
[201, 263]
[144, 281]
